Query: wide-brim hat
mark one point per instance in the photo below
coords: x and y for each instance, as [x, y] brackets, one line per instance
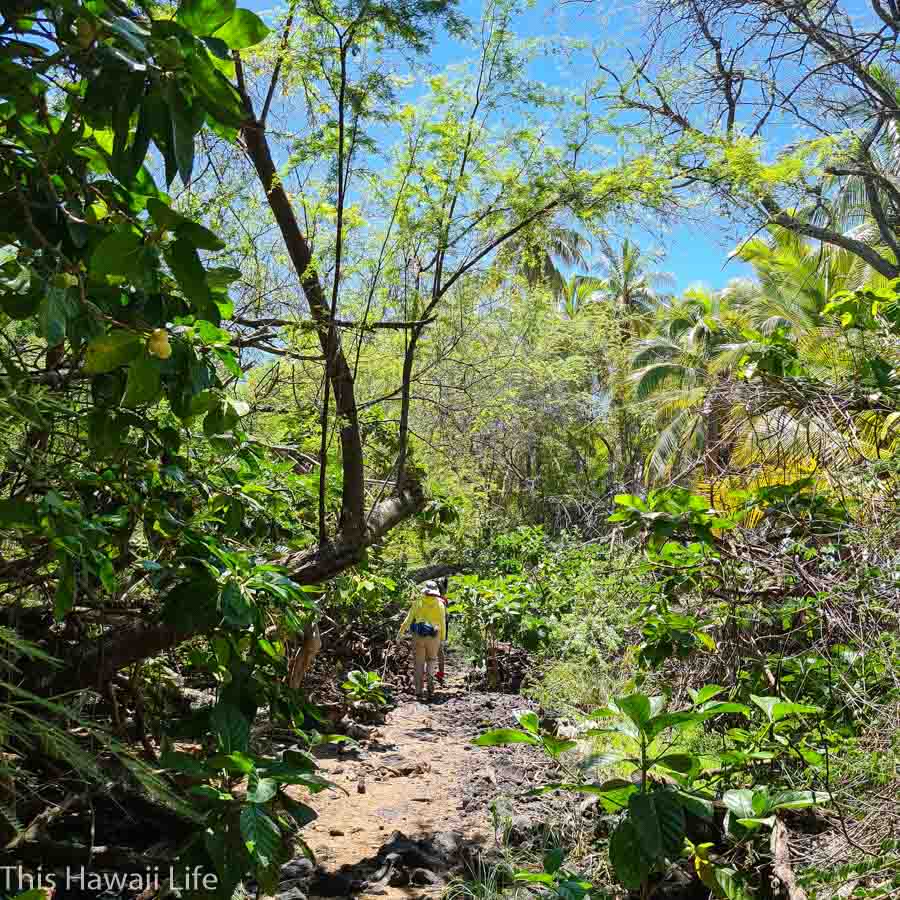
[430, 587]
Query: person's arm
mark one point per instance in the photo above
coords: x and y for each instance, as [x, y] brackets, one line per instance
[442, 625]
[406, 622]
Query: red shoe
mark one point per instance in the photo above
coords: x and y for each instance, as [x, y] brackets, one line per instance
[439, 676]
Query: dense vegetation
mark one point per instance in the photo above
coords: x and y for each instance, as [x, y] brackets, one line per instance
[289, 321]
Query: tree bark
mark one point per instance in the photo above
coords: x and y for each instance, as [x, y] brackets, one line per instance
[339, 372]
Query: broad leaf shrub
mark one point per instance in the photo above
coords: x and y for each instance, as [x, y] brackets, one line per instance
[699, 777]
[130, 472]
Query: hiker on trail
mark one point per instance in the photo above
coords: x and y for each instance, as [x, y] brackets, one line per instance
[427, 622]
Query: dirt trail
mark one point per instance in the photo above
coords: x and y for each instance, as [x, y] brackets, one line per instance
[417, 805]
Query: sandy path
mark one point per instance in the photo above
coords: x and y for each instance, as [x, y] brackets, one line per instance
[424, 806]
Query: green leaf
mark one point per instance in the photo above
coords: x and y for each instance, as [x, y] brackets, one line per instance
[658, 724]
[557, 746]
[721, 706]
[109, 351]
[144, 386]
[670, 814]
[106, 430]
[528, 720]
[54, 312]
[642, 812]
[730, 884]
[636, 707]
[244, 29]
[535, 878]
[267, 647]
[220, 278]
[570, 889]
[262, 790]
[501, 736]
[701, 807]
[203, 17]
[120, 253]
[236, 609]
[236, 763]
[676, 762]
[629, 863]
[707, 692]
[740, 802]
[230, 726]
[553, 860]
[262, 836]
[178, 761]
[184, 129]
[64, 599]
[799, 799]
[220, 98]
[777, 709]
[188, 270]
[299, 812]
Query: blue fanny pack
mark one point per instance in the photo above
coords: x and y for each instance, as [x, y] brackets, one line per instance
[423, 629]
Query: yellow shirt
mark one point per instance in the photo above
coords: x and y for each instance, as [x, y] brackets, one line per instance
[430, 609]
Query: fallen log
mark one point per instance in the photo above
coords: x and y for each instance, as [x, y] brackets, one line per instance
[782, 872]
[92, 664]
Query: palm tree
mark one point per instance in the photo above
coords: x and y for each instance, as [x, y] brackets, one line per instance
[629, 279]
[684, 367]
[541, 253]
[576, 293]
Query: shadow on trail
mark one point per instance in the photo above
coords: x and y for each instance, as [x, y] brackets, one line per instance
[427, 861]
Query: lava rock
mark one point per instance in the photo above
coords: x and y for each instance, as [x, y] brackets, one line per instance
[293, 893]
[424, 877]
[296, 869]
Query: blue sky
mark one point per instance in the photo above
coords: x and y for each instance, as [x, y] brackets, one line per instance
[695, 251]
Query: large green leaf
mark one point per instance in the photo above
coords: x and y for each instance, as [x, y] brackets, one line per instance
[194, 233]
[120, 253]
[188, 270]
[219, 95]
[642, 812]
[799, 799]
[676, 762]
[244, 29]
[528, 720]
[299, 812]
[731, 884]
[557, 746]
[261, 790]
[553, 859]
[262, 836]
[740, 802]
[231, 727]
[777, 709]
[109, 351]
[64, 598]
[203, 17]
[185, 125]
[144, 385]
[54, 312]
[670, 815]
[501, 736]
[626, 856]
[637, 707]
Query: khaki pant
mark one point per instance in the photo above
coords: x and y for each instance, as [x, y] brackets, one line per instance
[426, 650]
